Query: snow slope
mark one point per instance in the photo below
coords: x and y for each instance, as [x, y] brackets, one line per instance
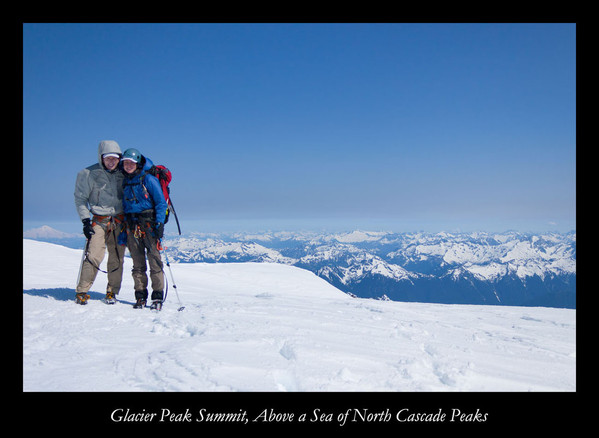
[273, 327]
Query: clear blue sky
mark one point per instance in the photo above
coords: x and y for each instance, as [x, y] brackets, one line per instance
[397, 127]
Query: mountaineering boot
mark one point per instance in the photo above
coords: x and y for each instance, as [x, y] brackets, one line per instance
[141, 296]
[81, 298]
[156, 300]
[110, 298]
[156, 305]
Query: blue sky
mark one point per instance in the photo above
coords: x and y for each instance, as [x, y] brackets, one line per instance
[401, 127]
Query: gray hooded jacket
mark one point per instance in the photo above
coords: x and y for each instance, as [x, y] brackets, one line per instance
[98, 191]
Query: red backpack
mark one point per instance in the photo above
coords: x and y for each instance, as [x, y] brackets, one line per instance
[164, 177]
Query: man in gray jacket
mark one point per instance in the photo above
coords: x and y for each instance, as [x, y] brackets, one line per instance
[99, 202]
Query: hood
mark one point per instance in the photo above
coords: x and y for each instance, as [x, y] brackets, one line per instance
[106, 147]
[146, 163]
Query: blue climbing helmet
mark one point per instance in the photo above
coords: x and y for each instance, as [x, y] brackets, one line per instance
[132, 154]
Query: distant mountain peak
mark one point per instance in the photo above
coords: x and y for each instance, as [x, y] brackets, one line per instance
[47, 232]
[360, 236]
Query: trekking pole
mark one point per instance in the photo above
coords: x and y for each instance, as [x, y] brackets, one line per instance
[181, 307]
[83, 256]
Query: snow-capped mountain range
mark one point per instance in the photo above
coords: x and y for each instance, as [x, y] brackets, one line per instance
[509, 268]
[468, 268]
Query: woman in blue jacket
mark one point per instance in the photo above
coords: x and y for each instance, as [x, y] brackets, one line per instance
[145, 212]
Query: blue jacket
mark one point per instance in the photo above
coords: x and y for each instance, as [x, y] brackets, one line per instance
[138, 197]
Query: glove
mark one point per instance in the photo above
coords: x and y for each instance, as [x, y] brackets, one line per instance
[87, 228]
[158, 230]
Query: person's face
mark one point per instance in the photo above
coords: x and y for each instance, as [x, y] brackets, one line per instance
[110, 162]
[129, 166]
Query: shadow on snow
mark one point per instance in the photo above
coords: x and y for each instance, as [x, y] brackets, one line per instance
[65, 294]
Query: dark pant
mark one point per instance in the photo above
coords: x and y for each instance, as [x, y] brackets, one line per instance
[142, 244]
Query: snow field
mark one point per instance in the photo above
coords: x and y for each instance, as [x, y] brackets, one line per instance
[273, 327]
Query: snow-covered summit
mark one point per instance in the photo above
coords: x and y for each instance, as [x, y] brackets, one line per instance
[274, 327]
